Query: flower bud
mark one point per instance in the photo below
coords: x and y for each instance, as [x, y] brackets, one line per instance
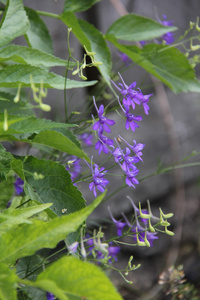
[5, 122]
[168, 231]
[45, 107]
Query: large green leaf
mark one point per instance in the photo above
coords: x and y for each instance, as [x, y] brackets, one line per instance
[12, 217]
[166, 63]
[133, 27]
[19, 125]
[14, 22]
[8, 283]
[77, 5]
[56, 185]
[27, 55]
[30, 125]
[12, 75]
[59, 141]
[71, 21]
[38, 35]
[73, 276]
[28, 238]
[99, 46]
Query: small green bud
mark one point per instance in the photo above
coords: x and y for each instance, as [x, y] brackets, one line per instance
[146, 241]
[140, 243]
[37, 176]
[5, 122]
[151, 227]
[143, 216]
[197, 24]
[166, 216]
[88, 52]
[45, 107]
[191, 24]
[17, 97]
[194, 47]
[168, 231]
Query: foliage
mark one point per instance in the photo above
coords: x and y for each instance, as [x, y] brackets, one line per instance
[47, 209]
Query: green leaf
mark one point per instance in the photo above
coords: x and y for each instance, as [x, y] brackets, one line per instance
[77, 5]
[12, 75]
[99, 46]
[71, 21]
[133, 27]
[7, 189]
[12, 217]
[14, 23]
[8, 283]
[38, 35]
[28, 238]
[19, 125]
[56, 185]
[27, 55]
[73, 276]
[5, 160]
[166, 63]
[60, 142]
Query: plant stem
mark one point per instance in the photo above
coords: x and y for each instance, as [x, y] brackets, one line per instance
[48, 14]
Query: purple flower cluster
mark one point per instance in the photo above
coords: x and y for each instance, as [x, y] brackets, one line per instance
[123, 157]
[131, 97]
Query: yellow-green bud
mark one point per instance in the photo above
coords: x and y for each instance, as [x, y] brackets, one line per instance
[194, 47]
[168, 231]
[140, 243]
[5, 122]
[16, 99]
[143, 216]
[45, 107]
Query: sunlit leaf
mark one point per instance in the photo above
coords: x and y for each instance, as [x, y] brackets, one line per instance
[28, 238]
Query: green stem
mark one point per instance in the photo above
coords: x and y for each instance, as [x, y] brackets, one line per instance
[48, 14]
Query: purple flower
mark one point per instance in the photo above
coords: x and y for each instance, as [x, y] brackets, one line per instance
[124, 58]
[167, 37]
[74, 167]
[99, 181]
[132, 96]
[129, 161]
[131, 119]
[49, 296]
[86, 137]
[118, 155]
[103, 123]
[119, 225]
[130, 177]
[136, 148]
[19, 185]
[103, 143]
[112, 252]
[73, 247]
[143, 43]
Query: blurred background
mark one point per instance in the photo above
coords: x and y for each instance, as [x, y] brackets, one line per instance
[170, 132]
